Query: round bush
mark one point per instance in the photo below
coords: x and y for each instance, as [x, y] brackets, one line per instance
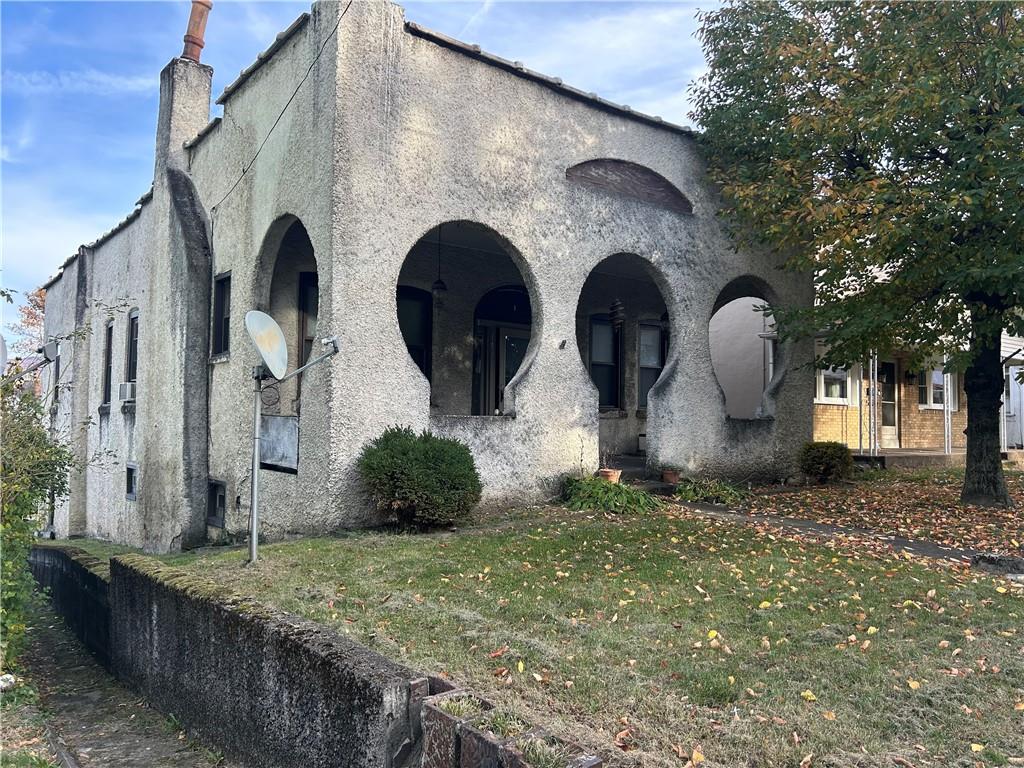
[826, 461]
[423, 479]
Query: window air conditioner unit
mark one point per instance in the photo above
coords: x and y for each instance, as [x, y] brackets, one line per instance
[126, 391]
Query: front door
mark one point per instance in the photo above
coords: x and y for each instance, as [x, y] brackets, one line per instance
[513, 343]
[889, 396]
[500, 352]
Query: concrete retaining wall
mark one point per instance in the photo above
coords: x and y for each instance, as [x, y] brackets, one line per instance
[79, 593]
[267, 688]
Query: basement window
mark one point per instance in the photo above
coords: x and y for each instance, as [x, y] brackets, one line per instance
[216, 503]
[131, 485]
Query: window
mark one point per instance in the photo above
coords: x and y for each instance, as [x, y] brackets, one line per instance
[309, 298]
[605, 361]
[131, 363]
[131, 485]
[833, 385]
[931, 389]
[651, 360]
[108, 362]
[221, 341]
[216, 503]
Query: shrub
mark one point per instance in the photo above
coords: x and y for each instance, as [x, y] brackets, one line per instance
[34, 467]
[423, 479]
[825, 461]
[710, 491]
[597, 495]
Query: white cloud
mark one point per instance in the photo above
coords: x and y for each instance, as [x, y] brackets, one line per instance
[40, 231]
[16, 143]
[478, 16]
[85, 81]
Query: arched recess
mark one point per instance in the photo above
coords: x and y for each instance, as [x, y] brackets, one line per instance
[288, 289]
[632, 180]
[467, 317]
[747, 359]
[623, 333]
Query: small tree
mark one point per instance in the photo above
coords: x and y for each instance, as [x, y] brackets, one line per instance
[878, 146]
[33, 471]
[29, 327]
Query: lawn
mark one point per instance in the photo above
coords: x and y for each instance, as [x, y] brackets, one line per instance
[646, 637]
[913, 504]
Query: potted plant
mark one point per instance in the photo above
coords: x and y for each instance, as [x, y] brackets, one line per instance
[606, 472]
[670, 475]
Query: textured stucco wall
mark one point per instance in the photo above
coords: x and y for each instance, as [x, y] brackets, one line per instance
[391, 135]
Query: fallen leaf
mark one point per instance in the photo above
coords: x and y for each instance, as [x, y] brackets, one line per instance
[808, 696]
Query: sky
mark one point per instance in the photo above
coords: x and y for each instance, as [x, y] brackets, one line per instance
[80, 81]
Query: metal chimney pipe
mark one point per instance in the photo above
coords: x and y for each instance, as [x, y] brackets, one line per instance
[196, 29]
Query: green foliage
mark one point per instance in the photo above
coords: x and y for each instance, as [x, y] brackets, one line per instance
[597, 495]
[33, 468]
[423, 479]
[825, 461]
[710, 491]
[878, 147]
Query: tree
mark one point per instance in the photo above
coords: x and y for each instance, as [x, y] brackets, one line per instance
[33, 470]
[29, 329]
[880, 147]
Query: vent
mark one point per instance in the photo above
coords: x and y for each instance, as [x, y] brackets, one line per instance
[126, 392]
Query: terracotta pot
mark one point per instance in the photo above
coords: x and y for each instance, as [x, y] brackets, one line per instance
[611, 475]
[670, 476]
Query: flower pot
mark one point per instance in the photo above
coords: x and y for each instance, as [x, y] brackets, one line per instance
[611, 475]
[670, 476]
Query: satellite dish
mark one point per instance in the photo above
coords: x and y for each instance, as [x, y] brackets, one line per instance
[269, 340]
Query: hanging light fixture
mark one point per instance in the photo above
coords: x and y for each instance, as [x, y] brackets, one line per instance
[617, 314]
[438, 286]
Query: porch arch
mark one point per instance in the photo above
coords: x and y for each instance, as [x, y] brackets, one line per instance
[468, 313]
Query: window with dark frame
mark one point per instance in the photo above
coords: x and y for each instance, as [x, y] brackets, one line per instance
[131, 485]
[309, 299]
[221, 337]
[131, 364]
[606, 361]
[108, 362]
[650, 361]
[217, 503]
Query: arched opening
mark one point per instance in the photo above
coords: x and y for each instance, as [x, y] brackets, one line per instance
[466, 317]
[744, 350]
[292, 298]
[623, 333]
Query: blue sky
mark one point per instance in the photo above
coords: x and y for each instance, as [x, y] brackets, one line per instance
[80, 87]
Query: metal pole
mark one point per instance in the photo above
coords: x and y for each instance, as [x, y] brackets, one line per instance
[947, 422]
[254, 484]
[860, 411]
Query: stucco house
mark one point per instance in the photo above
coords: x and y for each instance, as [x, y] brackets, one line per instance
[503, 258]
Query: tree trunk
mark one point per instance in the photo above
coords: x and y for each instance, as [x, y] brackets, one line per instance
[984, 483]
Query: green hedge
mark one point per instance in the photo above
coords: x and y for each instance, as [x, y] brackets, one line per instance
[423, 479]
[825, 461]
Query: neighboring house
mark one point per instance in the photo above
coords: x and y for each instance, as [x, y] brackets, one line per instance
[910, 410]
[1013, 396]
[504, 259]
